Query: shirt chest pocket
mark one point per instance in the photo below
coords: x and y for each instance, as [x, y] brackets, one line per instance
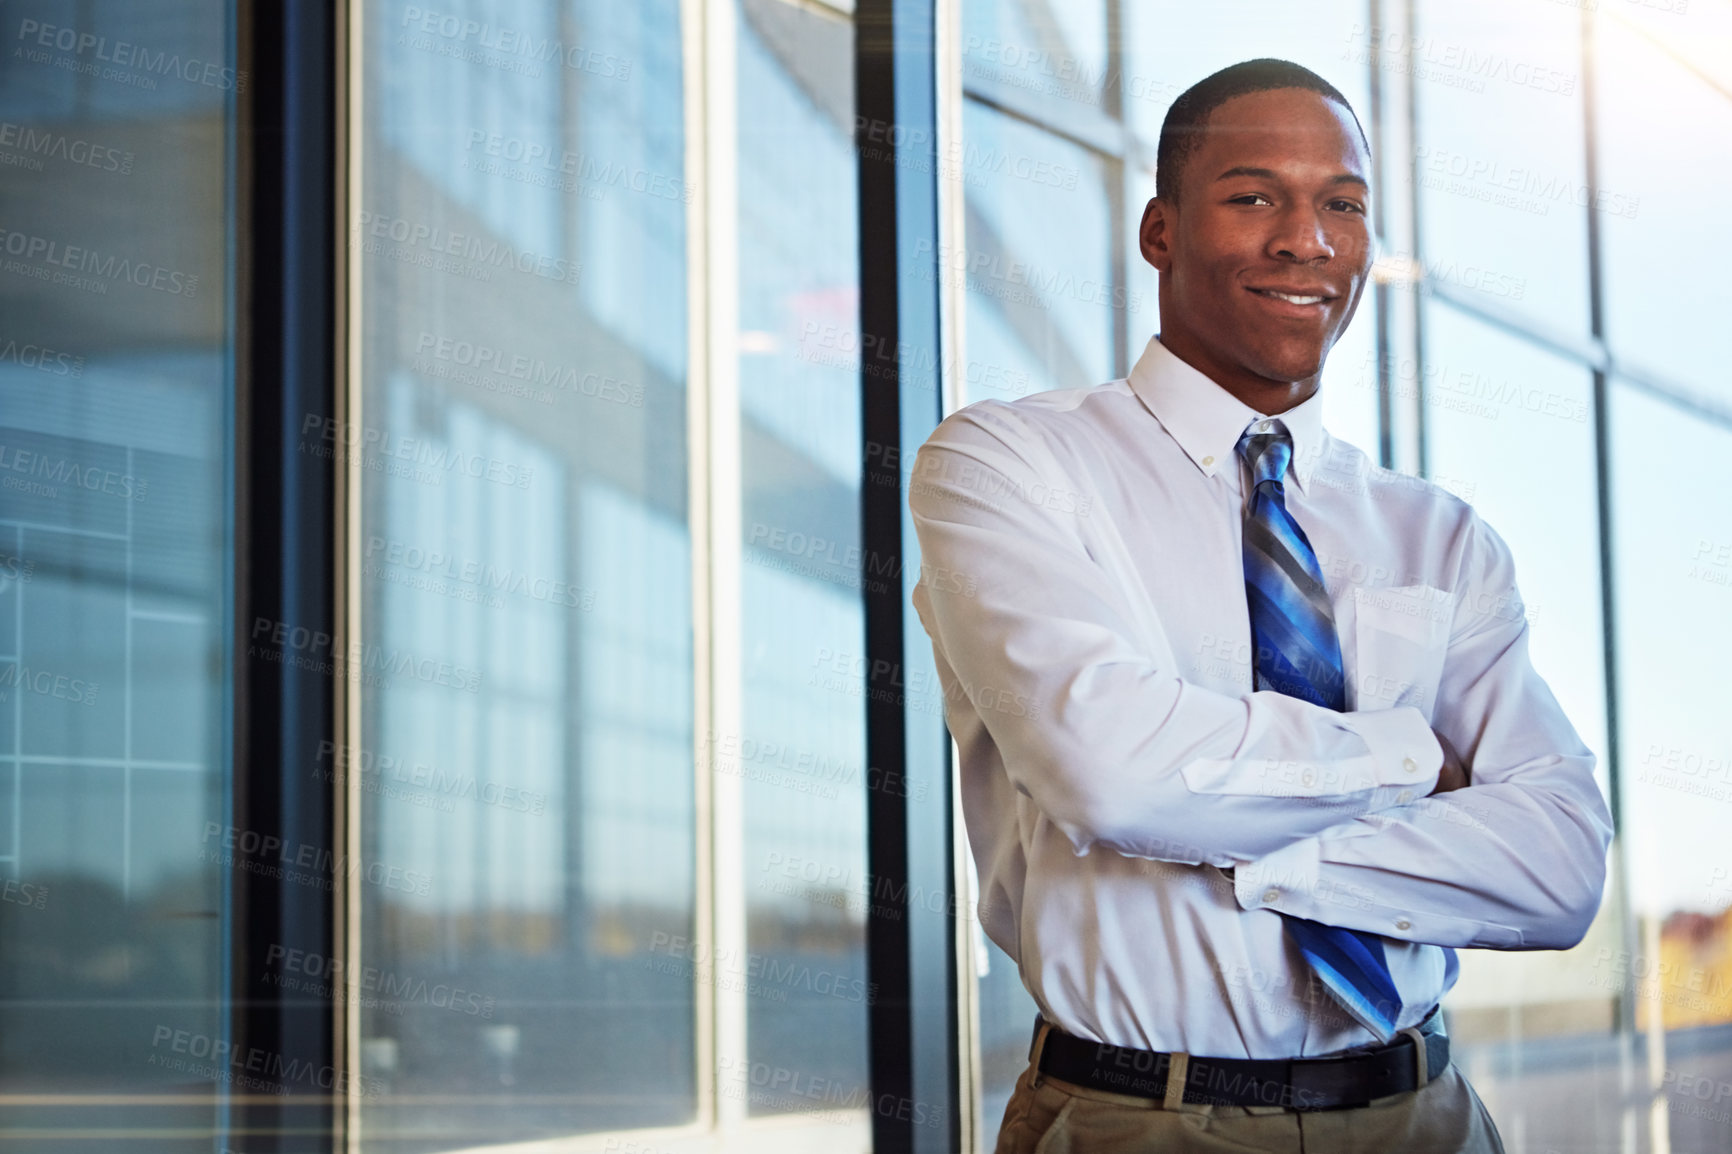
[1400, 638]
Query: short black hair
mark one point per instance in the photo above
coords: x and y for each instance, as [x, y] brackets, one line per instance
[1188, 118]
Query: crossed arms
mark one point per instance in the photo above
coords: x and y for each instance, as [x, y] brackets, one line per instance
[1323, 815]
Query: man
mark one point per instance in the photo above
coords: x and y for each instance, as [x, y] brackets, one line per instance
[1207, 679]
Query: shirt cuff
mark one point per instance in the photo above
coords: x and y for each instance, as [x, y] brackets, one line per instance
[1284, 881]
[1405, 755]
[1290, 881]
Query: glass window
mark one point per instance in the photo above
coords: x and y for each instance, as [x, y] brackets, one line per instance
[1674, 614]
[1048, 54]
[1169, 49]
[1510, 429]
[1040, 314]
[116, 387]
[1350, 379]
[1673, 582]
[527, 784]
[1697, 35]
[1038, 260]
[1655, 119]
[1500, 157]
[1007, 1017]
[802, 750]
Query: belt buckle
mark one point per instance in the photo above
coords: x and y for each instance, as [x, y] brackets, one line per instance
[1326, 1083]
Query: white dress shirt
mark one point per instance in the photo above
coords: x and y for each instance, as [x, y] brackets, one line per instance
[1083, 587]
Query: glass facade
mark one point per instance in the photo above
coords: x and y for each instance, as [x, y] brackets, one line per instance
[528, 786]
[116, 552]
[604, 688]
[801, 740]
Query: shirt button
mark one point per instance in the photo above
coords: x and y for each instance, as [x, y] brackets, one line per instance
[1271, 894]
[1403, 924]
[1309, 777]
[1263, 426]
[1208, 460]
[1410, 765]
[1404, 796]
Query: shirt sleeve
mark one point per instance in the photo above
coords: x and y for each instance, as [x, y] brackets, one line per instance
[1103, 735]
[1517, 860]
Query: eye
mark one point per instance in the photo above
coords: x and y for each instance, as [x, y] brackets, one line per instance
[1249, 196]
[1347, 205]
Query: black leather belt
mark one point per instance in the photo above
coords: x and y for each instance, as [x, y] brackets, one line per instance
[1336, 1082]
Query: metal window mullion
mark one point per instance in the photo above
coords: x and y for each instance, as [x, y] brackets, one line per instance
[347, 802]
[1121, 236]
[1416, 441]
[1602, 443]
[289, 535]
[1589, 352]
[1394, 132]
[953, 393]
[1113, 141]
[692, 55]
[1632, 937]
[713, 280]
[1380, 223]
[914, 1042]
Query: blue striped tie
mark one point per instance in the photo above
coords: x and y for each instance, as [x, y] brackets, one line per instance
[1297, 653]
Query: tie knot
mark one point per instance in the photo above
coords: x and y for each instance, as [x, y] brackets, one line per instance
[1267, 448]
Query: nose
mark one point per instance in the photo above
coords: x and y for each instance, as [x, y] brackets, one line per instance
[1301, 237]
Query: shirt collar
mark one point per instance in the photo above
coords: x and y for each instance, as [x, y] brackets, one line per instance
[1207, 421]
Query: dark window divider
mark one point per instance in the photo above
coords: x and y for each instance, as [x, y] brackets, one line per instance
[915, 1032]
[285, 527]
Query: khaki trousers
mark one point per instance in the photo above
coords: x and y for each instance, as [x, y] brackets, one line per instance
[1053, 1117]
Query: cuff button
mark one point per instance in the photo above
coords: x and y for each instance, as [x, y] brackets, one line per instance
[1410, 765]
[1403, 924]
[1271, 894]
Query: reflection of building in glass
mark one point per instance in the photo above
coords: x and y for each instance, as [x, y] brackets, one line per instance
[526, 299]
[115, 454]
[801, 749]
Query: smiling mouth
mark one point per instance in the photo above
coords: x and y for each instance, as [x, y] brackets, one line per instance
[1292, 298]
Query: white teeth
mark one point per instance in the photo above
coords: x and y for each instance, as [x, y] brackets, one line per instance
[1293, 299]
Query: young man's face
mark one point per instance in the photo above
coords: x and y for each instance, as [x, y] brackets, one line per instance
[1274, 200]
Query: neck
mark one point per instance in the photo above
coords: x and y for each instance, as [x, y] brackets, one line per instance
[1263, 394]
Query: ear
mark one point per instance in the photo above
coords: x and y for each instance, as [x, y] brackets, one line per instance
[1154, 235]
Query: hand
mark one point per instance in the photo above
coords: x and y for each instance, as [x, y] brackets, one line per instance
[1454, 774]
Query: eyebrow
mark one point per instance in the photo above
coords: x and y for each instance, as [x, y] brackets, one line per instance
[1271, 174]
